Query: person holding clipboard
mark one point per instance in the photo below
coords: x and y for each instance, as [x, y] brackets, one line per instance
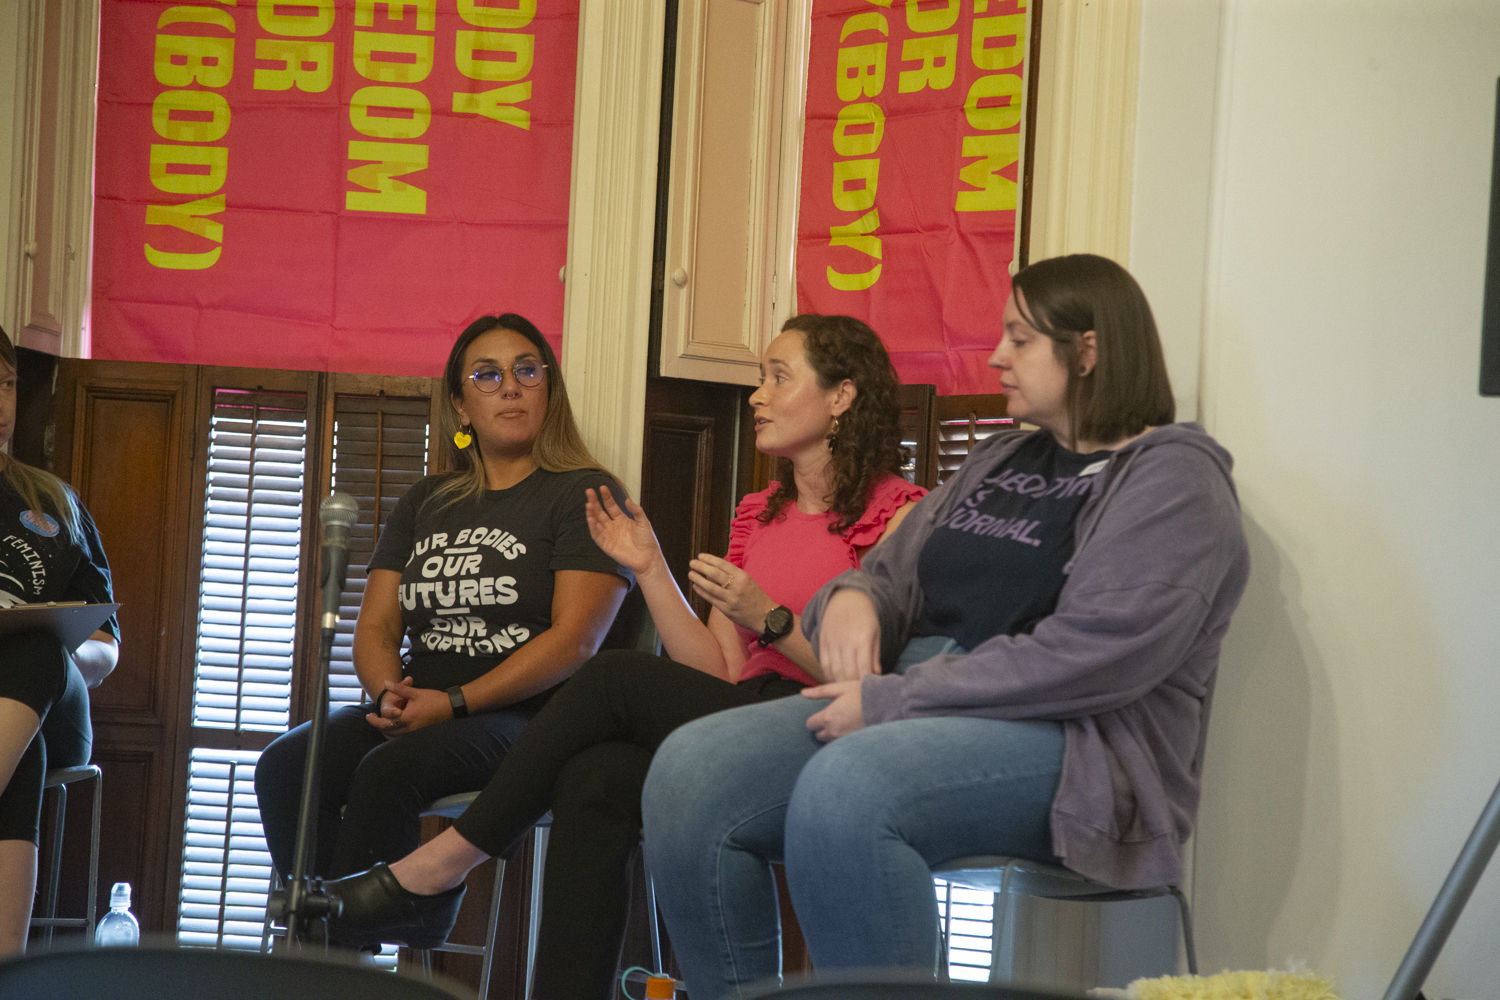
[49, 551]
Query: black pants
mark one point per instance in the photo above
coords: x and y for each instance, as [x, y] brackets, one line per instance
[372, 790]
[585, 757]
[35, 671]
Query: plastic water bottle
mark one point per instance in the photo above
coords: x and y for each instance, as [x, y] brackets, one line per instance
[119, 926]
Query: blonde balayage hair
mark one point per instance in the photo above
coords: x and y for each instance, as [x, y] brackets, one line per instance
[558, 446]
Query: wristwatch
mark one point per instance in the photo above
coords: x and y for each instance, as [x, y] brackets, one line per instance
[778, 625]
[456, 699]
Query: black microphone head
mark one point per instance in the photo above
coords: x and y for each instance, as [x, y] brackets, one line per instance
[339, 510]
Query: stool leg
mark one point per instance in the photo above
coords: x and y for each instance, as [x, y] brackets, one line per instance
[947, 931]
[653, 926]
[538, 864]
[54, 863]
[1187, 930]
[96, 822]
[489, 935]
[999, 927]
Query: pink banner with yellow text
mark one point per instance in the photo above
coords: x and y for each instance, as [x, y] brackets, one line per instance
[329, 184]
[911, 183]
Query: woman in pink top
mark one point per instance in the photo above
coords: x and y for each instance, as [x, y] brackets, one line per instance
[827, 411]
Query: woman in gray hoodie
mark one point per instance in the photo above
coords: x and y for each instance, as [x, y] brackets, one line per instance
[1021, 669]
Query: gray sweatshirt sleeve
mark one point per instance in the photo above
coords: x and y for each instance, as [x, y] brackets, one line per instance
[888, 577]
[1135, 604]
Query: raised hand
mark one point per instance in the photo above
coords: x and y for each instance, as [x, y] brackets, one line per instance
[629, 541]
[730, 589]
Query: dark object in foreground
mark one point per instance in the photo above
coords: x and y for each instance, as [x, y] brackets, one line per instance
[896, 986]
[151, 973]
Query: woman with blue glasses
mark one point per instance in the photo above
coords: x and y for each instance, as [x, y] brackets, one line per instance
[490, 574]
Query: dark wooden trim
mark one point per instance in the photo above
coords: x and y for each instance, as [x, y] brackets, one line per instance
[696, 482]
[144, 838]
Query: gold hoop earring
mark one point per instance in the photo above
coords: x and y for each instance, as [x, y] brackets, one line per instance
[462, 438]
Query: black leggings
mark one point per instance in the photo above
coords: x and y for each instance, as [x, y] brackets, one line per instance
[35, 671]
[585, 757]
[372, 790]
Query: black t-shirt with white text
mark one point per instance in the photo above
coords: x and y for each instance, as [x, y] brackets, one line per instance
[39, 562]
[994, 565]
[477, 575]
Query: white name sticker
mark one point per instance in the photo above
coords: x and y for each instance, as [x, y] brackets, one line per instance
[1089, 470]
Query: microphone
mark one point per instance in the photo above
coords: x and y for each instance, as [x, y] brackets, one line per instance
[338, 513]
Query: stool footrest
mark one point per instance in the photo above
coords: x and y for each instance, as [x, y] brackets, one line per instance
[460, 949]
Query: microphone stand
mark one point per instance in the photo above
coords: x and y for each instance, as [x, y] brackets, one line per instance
[303, 901]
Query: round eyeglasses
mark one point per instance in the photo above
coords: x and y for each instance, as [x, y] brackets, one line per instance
[527, 373]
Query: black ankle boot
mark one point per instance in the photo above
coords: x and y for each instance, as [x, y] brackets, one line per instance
[371, 908]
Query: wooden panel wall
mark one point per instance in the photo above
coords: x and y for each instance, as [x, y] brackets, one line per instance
[688, 474]
[124, 441]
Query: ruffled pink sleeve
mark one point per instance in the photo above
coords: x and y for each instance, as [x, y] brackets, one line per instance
[747, 522]
[887, 496]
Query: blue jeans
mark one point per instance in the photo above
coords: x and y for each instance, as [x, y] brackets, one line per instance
[859, 823]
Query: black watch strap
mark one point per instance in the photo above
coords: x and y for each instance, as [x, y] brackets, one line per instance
[456, 699]
[779, 622]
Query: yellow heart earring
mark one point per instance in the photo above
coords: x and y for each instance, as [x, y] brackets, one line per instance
[462, 438]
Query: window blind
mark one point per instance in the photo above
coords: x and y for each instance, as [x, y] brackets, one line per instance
[252, 544]
[971, 922]
[379, 451]
[226, 868]
[957, 436]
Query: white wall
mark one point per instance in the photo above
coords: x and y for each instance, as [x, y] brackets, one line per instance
[1340, 188]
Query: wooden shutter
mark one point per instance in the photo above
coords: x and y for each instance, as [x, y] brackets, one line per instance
[940, 431]
[257, 463]
[252, 550]
[226, 868]
[961, 422]
[379, 449]
[123, 439]
[916, 432]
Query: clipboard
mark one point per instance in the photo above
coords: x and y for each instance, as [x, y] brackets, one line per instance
[71, 622]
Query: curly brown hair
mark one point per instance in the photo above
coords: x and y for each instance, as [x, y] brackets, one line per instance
[868, 444]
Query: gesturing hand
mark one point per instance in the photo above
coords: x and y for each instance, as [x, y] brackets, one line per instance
[849, 641]
[843, 715]
[730, 589]
[631, 543]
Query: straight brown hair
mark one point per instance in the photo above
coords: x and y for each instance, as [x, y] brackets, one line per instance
[1128, 389]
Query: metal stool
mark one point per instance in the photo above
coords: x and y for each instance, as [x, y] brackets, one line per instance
[1004, 875]
[59, 779]
[452, 807]
[538, 864]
